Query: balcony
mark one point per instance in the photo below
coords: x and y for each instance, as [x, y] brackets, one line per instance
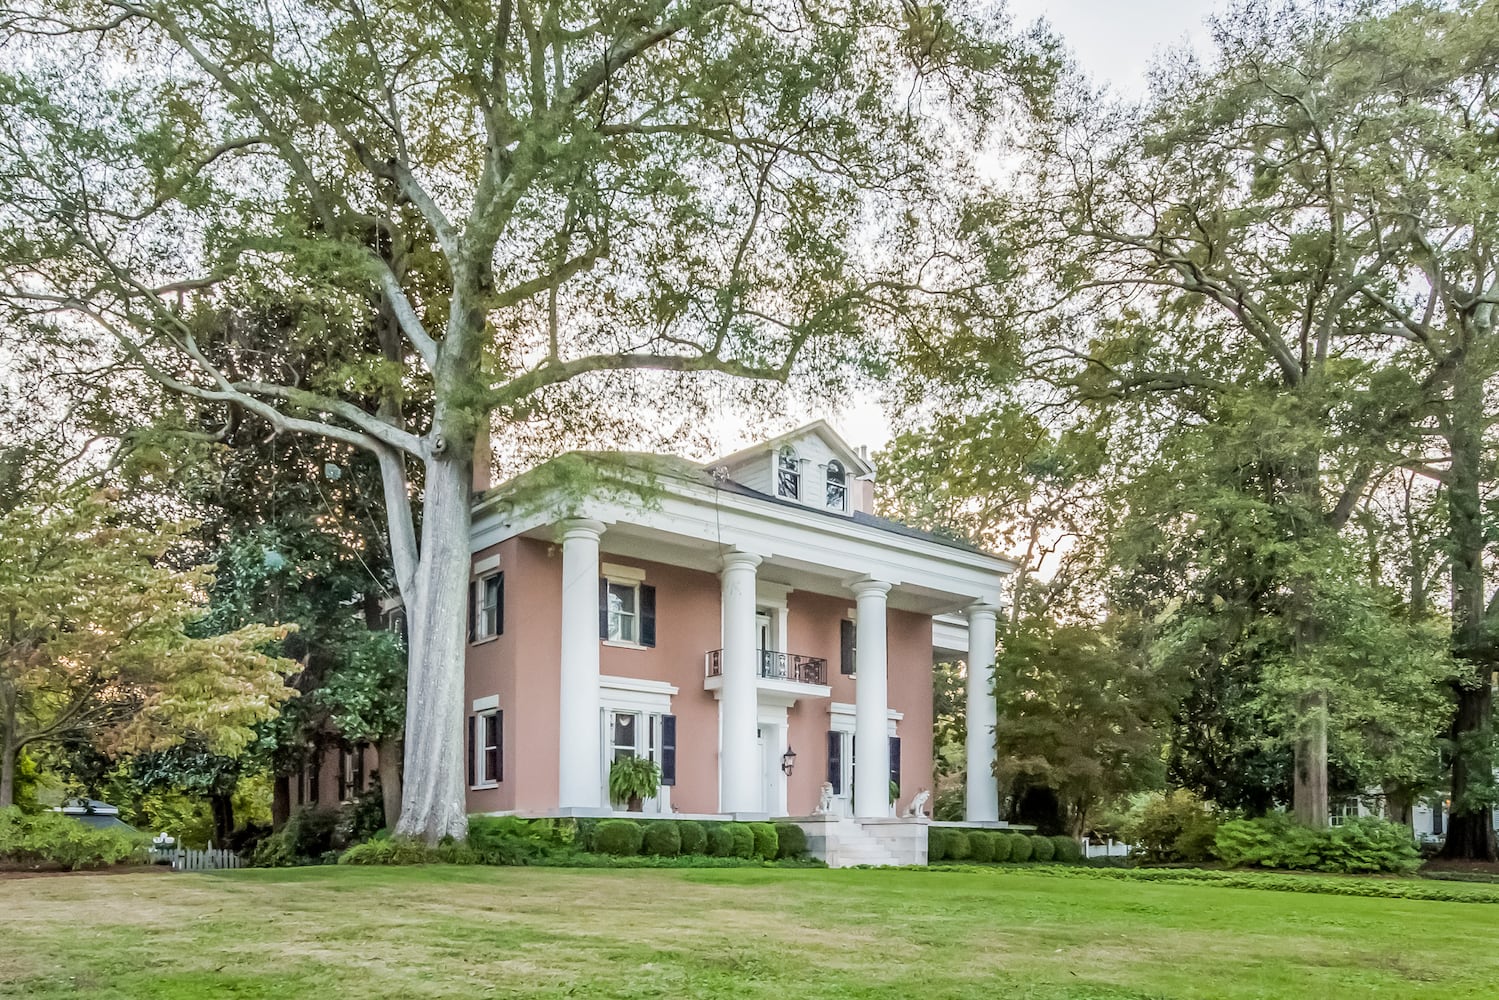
[787, 675]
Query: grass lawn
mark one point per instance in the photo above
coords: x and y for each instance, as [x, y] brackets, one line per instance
[357, 934]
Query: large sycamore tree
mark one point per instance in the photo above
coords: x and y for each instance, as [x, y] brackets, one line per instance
[530, 196]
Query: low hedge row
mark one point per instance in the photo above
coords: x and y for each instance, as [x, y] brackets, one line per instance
[949, 843]
[53, 839]
[669, 838]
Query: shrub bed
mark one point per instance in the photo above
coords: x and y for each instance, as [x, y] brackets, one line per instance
[791, 841]
[1042, 849]
[767, 841]
[618, 837]
[1021, 847]
[743, 840]
[720, 840]
[1066, 849]
[662, 839]
[1361, 845]
[46, 839]
[693, 837]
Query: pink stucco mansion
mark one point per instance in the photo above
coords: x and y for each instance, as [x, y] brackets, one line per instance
[749, 625]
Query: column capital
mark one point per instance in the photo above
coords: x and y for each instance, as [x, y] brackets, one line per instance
[868, 587]
[580, 527]
[740, 560]
[981, 610]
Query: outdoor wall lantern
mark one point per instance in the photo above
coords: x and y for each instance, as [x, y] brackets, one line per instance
[788, 761]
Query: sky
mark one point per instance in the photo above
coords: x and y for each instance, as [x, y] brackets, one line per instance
[1114, 43]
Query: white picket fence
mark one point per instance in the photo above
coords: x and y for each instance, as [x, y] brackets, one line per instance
[187, 859]
[1108, 849]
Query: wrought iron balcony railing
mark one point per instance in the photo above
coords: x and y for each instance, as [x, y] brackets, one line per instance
[778, 666]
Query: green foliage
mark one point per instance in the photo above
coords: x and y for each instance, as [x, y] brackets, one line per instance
[767, 843]
[361, 817]
[662, 839]
[791, 841]
[957, 846]
[310, 834]
[633, 778]
[1000, 845]
[693, 837]
[1173, 827]
[48, 838]
[1359, 845]
[720, 840]
[743, 840]
[510, 840]
[390, 851]
[618, 837]
[1042, 849]
[1021, 847]
[980, 846]
[936, 844]
[1066, 850]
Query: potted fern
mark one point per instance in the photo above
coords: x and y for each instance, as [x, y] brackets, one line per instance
[632, 780]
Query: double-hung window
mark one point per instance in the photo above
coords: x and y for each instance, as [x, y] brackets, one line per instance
[627, 611]
[837, 494]
[485, 758]
[788, 475]
[488, 607]
[624, 612]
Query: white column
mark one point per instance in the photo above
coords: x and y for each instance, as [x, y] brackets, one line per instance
[982, 799]
[580, 784]
[740, 784]
[871, 703]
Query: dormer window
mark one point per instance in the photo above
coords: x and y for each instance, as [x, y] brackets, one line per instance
[837, 486]
[788, 475]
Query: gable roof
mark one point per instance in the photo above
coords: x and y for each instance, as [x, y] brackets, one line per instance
[855, 462]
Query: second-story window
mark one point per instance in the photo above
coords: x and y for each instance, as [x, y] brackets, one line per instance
[788, 475]
[488, 607]
[837, 486]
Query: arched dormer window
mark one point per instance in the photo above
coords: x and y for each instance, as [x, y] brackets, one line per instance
[788, 474]
[837, 486]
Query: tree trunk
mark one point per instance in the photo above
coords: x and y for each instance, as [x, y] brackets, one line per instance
[1399, 806]
[8, 756]
[1309, 790]
[1470, 833]
[280, 801]
[388, 755]
[432, 795]
[223, 817]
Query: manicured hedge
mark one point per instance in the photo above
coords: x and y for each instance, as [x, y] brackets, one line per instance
[1021, 847]
[744, 840]
[767, 842]
[1003, 845]
[980, 846]
[720, 840]
[1066, 849]
[958, 845]
[619, 837]
[1042, 848]
[662, 839]
[791, 840]
[692, 836]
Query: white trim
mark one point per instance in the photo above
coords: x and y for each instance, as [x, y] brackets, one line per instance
[622, 574]
[622, 644]
[629, 694]
[483, 566]
[772, 595]
[843, 708]
[486, 703]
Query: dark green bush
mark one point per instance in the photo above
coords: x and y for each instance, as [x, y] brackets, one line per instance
[936, 844]
[980, 846]
[693, 837]
[720, 840]
[1003, 845]
[791, 841]
[360, 818]
[767, 842]
[1020, 847]
[1366, 844]
[662, 839]
[510, 840]
[1042, 848]
[1065, 849]
[744, 840]
[958, 845]
[50, 838]
[1176, 826]
[619, 837]
[391, 851]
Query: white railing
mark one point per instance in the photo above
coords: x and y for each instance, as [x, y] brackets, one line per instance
[188, 859]
[1107, 849]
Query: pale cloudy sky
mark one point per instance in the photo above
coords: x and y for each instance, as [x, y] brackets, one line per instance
[1114, 43]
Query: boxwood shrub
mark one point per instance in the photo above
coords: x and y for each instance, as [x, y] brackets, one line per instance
[619, 837]
[936, 844]
[720, 840]
[744, 840]
[958, 845]
[692, 836]
[1021, 847]
[1066, 849]
[791, 840]
[662, 839]
[980, 846]
[767, 842]
[1003, 845]
[1042, 848]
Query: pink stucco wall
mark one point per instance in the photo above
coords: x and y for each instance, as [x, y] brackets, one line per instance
[521, 667]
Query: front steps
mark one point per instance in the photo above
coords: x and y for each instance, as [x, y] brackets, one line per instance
[845, 843]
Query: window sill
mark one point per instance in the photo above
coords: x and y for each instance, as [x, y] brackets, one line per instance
[485, 639]
[484, 787]
[621, 644]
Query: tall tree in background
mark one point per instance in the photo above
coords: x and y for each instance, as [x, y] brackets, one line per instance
[533, 193]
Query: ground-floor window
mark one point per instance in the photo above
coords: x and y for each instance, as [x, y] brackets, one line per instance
[485, 758]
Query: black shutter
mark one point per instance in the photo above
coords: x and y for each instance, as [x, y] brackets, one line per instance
[668, 750]
[895, 761]
[846, 646]
[603, 608]
[473, 623]
[499, 605]
[494, 754]
[647, 615]
[835, 761]
[472, 735]
[344, 766]
[359, 767]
